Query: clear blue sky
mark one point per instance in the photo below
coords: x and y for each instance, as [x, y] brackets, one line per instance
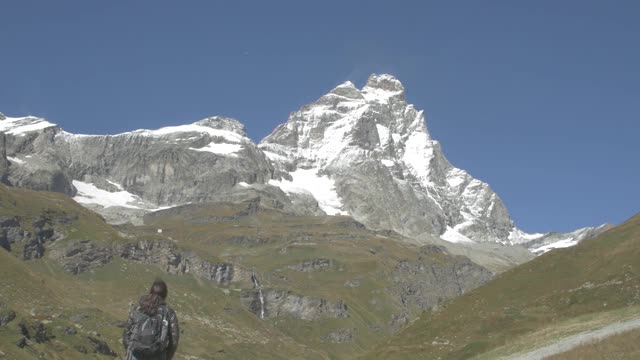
[538, 98]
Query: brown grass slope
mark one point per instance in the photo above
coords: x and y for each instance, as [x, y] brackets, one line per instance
[368, 271]
[598, 275]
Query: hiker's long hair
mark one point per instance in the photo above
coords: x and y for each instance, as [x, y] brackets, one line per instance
[150, 303]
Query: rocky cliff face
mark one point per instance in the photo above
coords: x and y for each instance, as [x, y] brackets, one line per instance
[280, 303]
[364, 152]
[29, 244]
[387, 170]
[127, 175]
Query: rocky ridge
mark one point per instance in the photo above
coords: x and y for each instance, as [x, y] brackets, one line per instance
[364, 152]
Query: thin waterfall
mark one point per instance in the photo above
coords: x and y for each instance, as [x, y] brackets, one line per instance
[256, 284]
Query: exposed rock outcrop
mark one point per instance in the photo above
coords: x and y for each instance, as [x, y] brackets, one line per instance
[340, 336]
[435, 277]
[33, 242]
[80, 256]
[83, 255]
[10, 232]
[101, 347]
[279, 303]
[166, 255]
[4, 162]
[6, 315]
[314, 265]
[36, 331]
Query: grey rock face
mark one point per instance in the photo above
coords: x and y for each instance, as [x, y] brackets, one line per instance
[314, 265]
[44, 168]
[166, 255]
[81, 256]
[398, 322]
[4, 162]
[352, 283]
[33, 242]
[34, 331]
[430, 281]
[279, 303]
[22, 342]
[6, 315]
[10, 232]
[169, 166]
[101, 347]
[340, 336]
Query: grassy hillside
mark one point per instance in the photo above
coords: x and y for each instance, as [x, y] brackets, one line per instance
[76, 221]
[330, 258]
[598, 279]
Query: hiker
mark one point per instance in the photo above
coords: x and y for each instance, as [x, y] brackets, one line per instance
[152, 331]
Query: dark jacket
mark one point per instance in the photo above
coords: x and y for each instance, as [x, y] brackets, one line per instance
[174, 331]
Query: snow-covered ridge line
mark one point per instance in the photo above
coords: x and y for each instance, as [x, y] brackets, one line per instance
[22, 125]
[366, 150]
[567, 240]
[227, 129]
[178, 129]
[221, 149]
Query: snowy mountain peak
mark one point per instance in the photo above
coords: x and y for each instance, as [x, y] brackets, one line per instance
[223, 123]
[384, 82]
[22, 125]
[383, 88]
[376, 149]
[347, 90]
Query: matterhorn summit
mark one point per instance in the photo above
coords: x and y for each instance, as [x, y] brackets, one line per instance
[387, 170]
[378, 163]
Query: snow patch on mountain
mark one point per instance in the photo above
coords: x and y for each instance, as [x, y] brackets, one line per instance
[383, 134]
[453, 236]
[418, 155]
[15, 160]
[90, 194]
[221, 149]
[564, 243]
[321, 187]
[456, 177]
[118, 186]
[387, 162]
[273, 156]
[517, 236]
[542, 243]
[22, 125]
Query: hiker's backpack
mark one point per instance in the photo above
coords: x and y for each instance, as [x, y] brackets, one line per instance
[149, 336]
